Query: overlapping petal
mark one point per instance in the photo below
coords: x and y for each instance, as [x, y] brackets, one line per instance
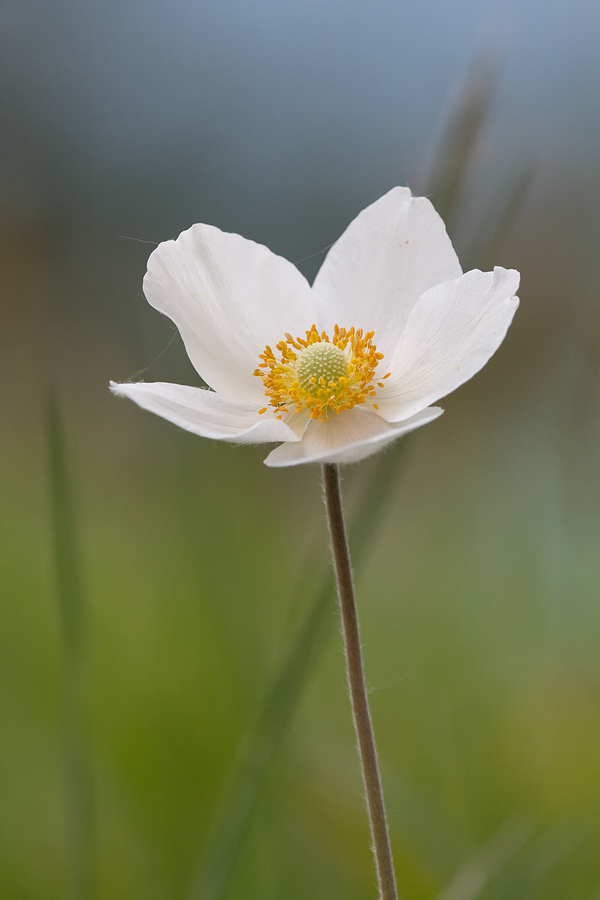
[206, 413]
[346, 438]
[394, 250]
[451, 333]
[228, 297]
[393, 272]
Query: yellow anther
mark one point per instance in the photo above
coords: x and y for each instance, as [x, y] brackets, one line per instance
[323, 376]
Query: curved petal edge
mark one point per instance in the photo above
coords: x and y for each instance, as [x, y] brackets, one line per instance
[228, 296]
[451, 333]
[390, 254]
[205, 413]
[346, 438]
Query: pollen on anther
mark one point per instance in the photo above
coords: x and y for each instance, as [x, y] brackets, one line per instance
[324, 376]
[261, 411]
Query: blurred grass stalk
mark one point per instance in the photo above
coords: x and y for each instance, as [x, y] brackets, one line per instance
[75, 723]
[474, 876]
[220, 855]
[500, 218]
[452, 161]
[222, 848]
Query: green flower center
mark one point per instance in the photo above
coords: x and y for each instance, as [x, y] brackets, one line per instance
[321, 361]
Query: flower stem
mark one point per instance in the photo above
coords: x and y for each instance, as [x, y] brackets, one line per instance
[356, 682]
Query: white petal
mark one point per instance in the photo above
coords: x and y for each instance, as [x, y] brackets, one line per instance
[229, 297]
[347, 438]
[388, 256]
[452, 332]
[206, 413]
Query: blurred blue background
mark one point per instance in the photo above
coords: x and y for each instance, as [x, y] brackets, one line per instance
[122, 124]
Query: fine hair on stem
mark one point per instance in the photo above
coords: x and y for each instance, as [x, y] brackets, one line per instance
[382, 850]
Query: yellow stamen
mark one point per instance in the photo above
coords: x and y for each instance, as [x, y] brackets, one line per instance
[324, 375]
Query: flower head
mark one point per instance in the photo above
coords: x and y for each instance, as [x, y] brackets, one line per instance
[333, 372]
[319, 375]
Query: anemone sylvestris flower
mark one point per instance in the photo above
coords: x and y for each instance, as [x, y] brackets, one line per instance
[335, 371]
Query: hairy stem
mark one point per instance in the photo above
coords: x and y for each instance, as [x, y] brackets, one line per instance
[356, 682]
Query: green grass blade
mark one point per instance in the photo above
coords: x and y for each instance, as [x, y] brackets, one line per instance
[512, 865]
[75, 710]
[453, 159]
[223, 845]
[453, 162]
[474, 876]
[500, 218]
[536, 863]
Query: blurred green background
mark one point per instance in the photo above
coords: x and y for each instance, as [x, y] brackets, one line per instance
[173, 714]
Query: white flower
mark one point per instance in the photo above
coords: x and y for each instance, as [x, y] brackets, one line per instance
[333, 372]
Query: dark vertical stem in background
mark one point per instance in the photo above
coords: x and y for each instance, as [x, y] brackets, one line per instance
[356, 681]
[75, 705]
